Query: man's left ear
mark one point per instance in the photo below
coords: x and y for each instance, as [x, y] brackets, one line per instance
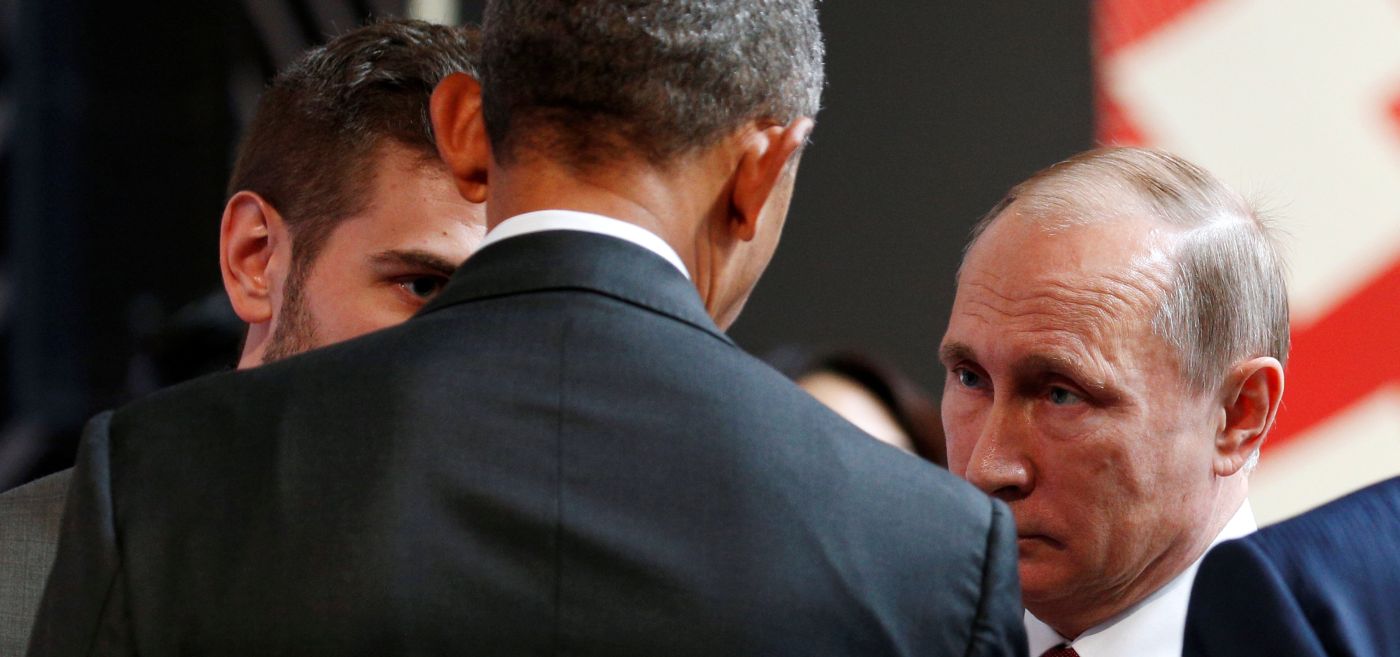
[764, 158]
[1251, 396]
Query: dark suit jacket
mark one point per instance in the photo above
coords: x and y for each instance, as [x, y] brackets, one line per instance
[29, 517]
[561, 455]
[1324, 583]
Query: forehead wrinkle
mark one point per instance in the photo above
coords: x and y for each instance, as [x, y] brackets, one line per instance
[1084, 309]
[1080, 318]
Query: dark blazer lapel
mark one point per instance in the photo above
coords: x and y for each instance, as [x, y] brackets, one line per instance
[571, 259]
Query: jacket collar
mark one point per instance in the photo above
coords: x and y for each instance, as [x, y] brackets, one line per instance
[576, 260]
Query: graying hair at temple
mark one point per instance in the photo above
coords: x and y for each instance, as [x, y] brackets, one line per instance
[1226, 299]
[588, 81]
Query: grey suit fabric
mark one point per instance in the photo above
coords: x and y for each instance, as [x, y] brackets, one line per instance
[29, 521]
[560, 455]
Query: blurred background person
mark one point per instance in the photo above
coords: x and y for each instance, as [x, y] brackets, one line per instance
[870, 394]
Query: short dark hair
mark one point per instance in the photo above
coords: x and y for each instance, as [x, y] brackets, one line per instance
[308, 148]
[586, 81]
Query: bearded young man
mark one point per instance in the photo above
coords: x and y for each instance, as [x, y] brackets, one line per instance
[340, 220]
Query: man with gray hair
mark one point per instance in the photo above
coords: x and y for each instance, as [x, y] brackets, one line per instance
[1115, 359]
[563, 453]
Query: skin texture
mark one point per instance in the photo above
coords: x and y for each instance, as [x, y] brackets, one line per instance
[376, 269]
[1062, 401]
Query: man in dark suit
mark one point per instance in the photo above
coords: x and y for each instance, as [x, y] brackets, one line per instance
[563, 453]
[309, 260]
[1324, 583]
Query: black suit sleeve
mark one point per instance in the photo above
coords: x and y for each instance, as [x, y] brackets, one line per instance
[83, 611]
[1242, 606]
[999, 629]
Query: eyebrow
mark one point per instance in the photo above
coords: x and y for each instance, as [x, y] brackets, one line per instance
[956, 351]
[417, 258]
[1030, 366]
[1041, 363]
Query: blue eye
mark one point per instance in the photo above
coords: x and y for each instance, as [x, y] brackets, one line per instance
[1062, 397]
[968, 378]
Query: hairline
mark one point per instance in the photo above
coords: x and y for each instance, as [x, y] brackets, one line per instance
[1090, 213]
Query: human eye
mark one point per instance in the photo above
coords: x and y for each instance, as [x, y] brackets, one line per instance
[423, 287]
[967, 377]
[1061, 396]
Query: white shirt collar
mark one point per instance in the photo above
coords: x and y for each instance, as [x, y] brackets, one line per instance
[1153, 627]
[543, 220]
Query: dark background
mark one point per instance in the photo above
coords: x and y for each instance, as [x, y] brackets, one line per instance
[118, 121]
[932, 111]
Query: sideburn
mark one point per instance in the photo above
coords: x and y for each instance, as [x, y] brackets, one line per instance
[296, 328]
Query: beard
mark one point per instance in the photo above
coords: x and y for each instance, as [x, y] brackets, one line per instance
[296, 329]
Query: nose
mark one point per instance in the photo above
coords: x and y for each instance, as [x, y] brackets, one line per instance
[998, 464]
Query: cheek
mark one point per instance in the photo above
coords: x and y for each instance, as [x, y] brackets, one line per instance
[962, 425]
[1074, 423]
[350, 313]
[1109, 477]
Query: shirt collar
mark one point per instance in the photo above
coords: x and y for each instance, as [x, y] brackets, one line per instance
[1153, 627]
[542, 220]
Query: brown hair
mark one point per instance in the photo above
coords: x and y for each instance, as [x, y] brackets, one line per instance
[308, 149]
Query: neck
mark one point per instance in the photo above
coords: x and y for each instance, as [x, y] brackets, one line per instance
[254, 344]
[676, 205]
[1075, 615]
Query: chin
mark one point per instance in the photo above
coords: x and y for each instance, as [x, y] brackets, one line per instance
[1043, 582]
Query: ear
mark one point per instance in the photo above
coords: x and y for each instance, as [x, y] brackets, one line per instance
[762, 162]
[1252, 392]
[251, 233]
[460, 130]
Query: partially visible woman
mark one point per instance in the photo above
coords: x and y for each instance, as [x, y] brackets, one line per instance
[871, 395]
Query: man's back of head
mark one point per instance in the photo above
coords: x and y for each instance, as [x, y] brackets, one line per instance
[592, 81]
[683, 117]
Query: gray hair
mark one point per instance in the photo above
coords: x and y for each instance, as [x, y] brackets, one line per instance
[587, 81]
[1227, 298]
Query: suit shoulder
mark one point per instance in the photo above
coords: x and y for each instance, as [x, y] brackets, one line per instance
[1364, 522]
[885, 467]
[31, 512]
[30, 518]
[49, 489]
[34, 507]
